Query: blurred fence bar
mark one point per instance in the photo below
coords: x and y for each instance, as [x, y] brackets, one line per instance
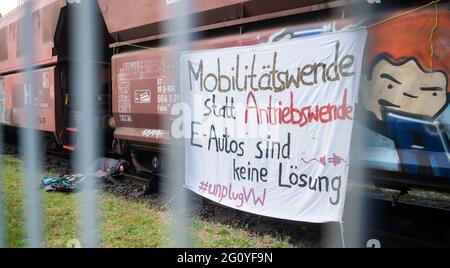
[2, 193]
[85, 83]
[181, 206]
[30, 138]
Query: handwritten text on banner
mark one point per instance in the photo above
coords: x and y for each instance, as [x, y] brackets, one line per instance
[270, 125]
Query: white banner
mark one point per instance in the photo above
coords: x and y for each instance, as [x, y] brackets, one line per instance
[270, 126]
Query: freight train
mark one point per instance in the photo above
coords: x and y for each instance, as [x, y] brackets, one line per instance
[402, 125]
[50, 86]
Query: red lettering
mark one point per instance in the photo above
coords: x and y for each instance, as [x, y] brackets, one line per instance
[298, 116]
[248, 107]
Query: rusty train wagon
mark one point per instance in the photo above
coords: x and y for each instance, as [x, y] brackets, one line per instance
[50, 90]
[144, 84]
[399, 147]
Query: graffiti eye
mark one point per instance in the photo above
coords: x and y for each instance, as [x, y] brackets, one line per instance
[390, 86]
[435, 94]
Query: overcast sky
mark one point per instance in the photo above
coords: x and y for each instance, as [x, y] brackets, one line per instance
[7, 5]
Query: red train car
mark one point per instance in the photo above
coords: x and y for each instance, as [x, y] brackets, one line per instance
[17, 93]
[46, 15]
[144, 87]
[49, 91]
[144, 84]
[144, 20]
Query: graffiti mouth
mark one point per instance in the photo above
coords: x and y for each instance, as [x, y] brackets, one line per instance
[387, 103]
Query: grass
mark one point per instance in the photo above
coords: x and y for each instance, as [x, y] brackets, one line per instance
[13, 203]
[122, 223]
[210, 235]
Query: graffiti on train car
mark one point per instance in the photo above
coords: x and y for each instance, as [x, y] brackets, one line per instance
[5, 104]
[16, 93]
[405, 90]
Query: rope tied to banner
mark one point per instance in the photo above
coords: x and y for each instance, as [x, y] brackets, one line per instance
[404, 13]
[434, 2]
[433, 30]
[144, 47]
[341, 225]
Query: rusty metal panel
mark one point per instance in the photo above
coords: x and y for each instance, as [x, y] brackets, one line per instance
[45, 17]
[139, 18]
[261, 7]
[148, 70]
[143, 92]
[143, 18]
[144, 86]
[16, 93]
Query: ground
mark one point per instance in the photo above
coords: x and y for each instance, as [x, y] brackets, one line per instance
[126, 223]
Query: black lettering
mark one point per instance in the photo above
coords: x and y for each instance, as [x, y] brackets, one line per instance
[343, 65]
[334, 66]
[280, 176]
[336, 185]
[198, 75]
[215, 81]
[221, 78]
[193, 133]
[326, 180]
[316, 71]
[303, 178]
[260, 151]
[305, 73]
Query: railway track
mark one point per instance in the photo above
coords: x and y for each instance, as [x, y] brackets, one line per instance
[400, 223]
[392, 224]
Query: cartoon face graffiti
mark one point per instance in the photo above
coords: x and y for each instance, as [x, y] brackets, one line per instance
[404, 88]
